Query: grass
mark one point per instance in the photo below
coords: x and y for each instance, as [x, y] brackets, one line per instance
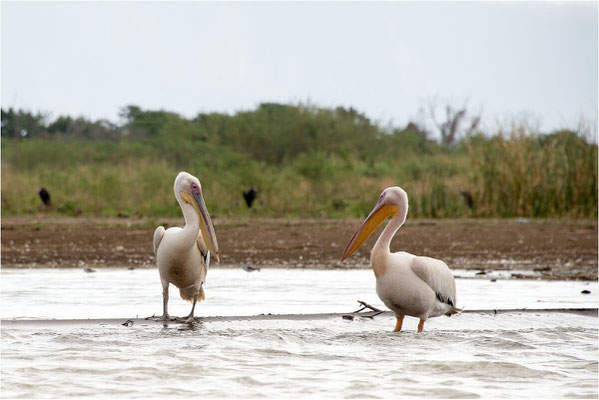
[523, 175]
[336, 169]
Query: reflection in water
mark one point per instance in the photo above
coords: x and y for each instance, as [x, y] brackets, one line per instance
[192, 326]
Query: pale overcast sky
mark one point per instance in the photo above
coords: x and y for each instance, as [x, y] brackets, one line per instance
[386, 59]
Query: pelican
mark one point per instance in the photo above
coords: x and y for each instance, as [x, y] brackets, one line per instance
[421, 287]
[183, 254]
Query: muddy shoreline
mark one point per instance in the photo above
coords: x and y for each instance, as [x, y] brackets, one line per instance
[24, 323]
[547, 249]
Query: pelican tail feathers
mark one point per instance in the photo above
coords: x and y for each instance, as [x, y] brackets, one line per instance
[188, 293]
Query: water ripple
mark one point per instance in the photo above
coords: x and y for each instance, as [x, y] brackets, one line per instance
[508, 355]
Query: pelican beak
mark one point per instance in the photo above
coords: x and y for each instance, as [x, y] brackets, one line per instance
[377, 216]
[197, 201]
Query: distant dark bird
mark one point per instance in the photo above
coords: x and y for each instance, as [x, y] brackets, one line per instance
[45, 196]
[87, 269]
[467, 198]
[247, 268]
[250, 196]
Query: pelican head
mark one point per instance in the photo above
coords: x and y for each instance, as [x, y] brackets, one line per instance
[188, 191]
[392, 201]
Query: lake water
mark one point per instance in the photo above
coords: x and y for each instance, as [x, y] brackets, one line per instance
[522, 354]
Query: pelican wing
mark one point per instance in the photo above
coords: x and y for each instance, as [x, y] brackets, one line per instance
[158, 235]
[204, 251]
[438, 276]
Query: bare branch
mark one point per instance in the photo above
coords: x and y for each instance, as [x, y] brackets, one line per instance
[366, 305]
[456, 122]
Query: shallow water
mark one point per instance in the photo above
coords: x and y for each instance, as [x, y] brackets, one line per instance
[532, 354]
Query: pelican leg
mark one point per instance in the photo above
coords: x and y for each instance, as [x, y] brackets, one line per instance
[420, 326]
[398, 324]
[190, 317]
[165, 316]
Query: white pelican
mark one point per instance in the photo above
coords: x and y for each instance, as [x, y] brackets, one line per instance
[183, 254]
[411, 285]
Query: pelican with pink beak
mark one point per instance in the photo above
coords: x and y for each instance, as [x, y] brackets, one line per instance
[183, 254]
[420, 287]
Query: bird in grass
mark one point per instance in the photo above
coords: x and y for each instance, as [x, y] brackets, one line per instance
[45, 196]
[421, 287]
[467, 198]
[250, 196]
[183, 254]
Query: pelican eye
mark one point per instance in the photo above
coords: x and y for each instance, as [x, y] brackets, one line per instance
[194, 188]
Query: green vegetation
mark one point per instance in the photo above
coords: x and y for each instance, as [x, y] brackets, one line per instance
[303, 160]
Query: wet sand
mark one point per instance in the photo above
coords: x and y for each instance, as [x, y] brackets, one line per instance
[545, 249]
[15, 322]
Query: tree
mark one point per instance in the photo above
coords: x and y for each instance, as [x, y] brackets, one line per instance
[23, 124]
[456, 123]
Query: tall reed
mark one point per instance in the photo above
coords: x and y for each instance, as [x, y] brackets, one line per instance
[520, 174]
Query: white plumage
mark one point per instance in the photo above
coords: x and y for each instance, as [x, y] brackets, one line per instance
[183, 254]
[421, 287]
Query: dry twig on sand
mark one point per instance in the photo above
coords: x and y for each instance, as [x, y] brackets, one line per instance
[369, 314]
[366, 305]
